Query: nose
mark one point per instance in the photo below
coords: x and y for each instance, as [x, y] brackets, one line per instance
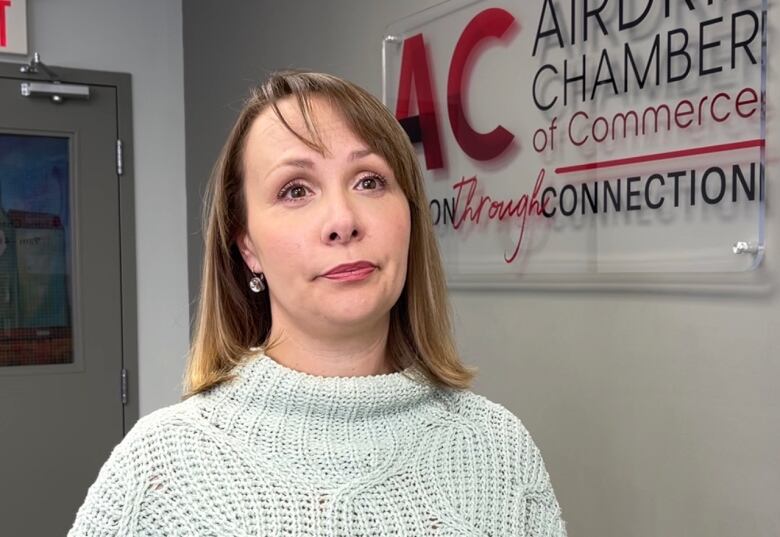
[341, 224]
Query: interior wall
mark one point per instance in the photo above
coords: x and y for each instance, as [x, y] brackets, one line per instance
[143, 38]
[656, 412]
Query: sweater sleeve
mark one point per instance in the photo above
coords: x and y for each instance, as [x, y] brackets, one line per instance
[541, 513]
[542, 516]
[110, 503]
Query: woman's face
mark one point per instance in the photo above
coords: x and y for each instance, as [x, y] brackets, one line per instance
[307, 213]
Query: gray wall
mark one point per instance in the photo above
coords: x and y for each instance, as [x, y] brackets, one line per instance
[143, 38]
[657, 413]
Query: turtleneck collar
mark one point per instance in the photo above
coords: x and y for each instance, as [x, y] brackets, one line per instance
[266, 383]
[324, 430]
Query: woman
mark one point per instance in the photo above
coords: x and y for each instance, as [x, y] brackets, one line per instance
[324, 392]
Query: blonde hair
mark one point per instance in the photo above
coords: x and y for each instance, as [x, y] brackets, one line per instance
[231, 320]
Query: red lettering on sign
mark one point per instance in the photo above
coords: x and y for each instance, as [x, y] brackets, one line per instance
[3, 4]
[493, 22]
[523, 207]
[414, 69]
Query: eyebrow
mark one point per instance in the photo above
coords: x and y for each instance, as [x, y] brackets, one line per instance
[360, 153]
[306, 163]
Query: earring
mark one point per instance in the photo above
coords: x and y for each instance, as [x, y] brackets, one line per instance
[256, 284]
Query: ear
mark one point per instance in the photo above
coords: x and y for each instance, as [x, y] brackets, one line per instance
[248, 252]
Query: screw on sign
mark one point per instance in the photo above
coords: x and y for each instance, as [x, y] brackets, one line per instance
[3, 4]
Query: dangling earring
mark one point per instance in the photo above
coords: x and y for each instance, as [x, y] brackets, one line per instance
[256, 284]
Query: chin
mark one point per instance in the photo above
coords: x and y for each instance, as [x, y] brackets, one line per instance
[357, 314]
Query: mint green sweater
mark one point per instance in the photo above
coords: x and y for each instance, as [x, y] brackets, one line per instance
[282, 452]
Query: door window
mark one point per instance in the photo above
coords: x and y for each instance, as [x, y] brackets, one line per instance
[35, 249]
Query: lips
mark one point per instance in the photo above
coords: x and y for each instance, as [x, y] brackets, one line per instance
[350, 267]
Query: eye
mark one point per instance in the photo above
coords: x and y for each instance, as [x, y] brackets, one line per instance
[296, 190]
[372, 182]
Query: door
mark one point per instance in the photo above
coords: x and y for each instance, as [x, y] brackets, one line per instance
[62, 356]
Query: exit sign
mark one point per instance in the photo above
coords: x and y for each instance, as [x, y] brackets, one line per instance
[13, 26]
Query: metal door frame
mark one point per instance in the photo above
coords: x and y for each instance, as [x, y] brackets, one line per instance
[124, 120]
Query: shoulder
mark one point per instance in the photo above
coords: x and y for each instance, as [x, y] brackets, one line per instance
[163, 418]
[491, 453]
[137, 456]
[156, 421]
[152, 433]
[483, 412]
[136, 465]
[501, 429]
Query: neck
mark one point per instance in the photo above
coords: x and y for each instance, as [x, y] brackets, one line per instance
[354, 353]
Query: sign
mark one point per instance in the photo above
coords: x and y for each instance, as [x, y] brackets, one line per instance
[586, 137]
[13, 26]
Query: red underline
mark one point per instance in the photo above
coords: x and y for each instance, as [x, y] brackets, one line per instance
[758, 142]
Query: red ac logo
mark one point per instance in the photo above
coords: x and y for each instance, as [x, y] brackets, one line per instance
[492, 22]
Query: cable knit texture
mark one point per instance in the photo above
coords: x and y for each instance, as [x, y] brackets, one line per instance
[281, 452]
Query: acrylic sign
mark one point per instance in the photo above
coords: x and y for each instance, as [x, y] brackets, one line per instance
[576, 137]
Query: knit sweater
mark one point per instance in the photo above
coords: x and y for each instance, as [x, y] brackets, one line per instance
[277, 451]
